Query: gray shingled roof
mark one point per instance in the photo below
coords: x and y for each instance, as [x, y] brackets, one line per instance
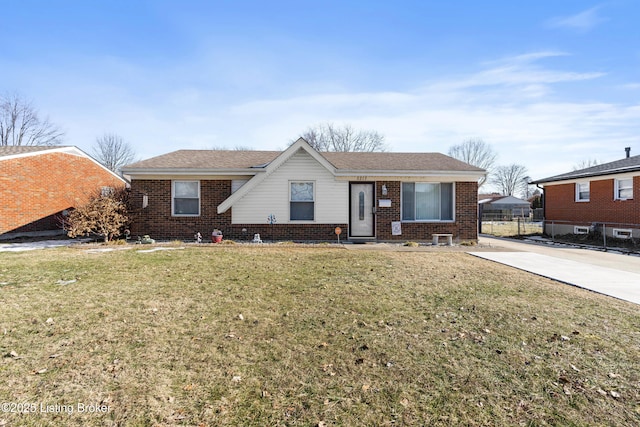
[10, 150]
[206, 159]
[629, 164]
[223, 159]
[397, 162]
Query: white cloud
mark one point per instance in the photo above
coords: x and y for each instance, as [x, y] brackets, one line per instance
[517, 70]
[506, 104]
[630, 86]
[517, 104]
[581, 22]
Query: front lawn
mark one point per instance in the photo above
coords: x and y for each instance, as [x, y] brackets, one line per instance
[284, 335]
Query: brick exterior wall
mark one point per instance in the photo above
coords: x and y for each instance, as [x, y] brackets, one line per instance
[156, 219]
[560, 204]
[465, 226]
[35, 189]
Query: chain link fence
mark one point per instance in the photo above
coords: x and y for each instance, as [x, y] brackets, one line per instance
[517, 226]
[601, 234]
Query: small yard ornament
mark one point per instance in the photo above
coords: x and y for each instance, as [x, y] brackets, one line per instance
[272, 220]
[198, 237]
[256, 238]
[146, 240]
[216, 236]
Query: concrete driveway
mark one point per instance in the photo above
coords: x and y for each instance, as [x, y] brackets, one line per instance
[608, 273]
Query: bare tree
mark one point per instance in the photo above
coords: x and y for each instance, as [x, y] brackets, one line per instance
[20, 124]
[584, 164]
[113, 152]
[526, 189]
[475, 152]
[509, 179]
[235, 148]
[329, 137]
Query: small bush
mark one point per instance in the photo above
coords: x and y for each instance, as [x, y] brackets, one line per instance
[105, 214]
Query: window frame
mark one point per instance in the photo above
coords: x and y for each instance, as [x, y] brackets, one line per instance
[617, 188]
[173, 198]
[440, 220]
[291, 202]
[577, 191]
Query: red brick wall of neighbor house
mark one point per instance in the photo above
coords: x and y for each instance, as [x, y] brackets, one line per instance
[34, 189]
[560, 204]
[156, 220]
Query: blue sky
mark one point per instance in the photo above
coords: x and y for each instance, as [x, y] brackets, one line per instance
[547, 83]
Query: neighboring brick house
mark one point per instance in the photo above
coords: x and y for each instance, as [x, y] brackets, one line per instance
[605, 198]
[370, 196]
[37, 184]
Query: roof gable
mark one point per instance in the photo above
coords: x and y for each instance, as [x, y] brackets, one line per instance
[22, 151]
[272, 166]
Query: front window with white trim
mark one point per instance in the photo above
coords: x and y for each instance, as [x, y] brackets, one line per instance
[582, 191]
[185, 198]
[301, 201]
[624, 189]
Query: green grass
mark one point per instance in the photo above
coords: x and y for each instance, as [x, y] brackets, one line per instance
[281, 335]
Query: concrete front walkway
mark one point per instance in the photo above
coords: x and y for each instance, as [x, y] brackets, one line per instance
[612, 274]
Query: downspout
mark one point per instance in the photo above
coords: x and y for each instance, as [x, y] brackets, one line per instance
[543, 198]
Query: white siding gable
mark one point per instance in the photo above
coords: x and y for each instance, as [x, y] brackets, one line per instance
[271, 196]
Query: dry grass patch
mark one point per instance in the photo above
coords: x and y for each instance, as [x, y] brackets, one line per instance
[511, 228]
[243, 335]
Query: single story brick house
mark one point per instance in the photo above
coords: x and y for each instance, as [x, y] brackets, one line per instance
[301, 194]
[39, 183]
[605, 197]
